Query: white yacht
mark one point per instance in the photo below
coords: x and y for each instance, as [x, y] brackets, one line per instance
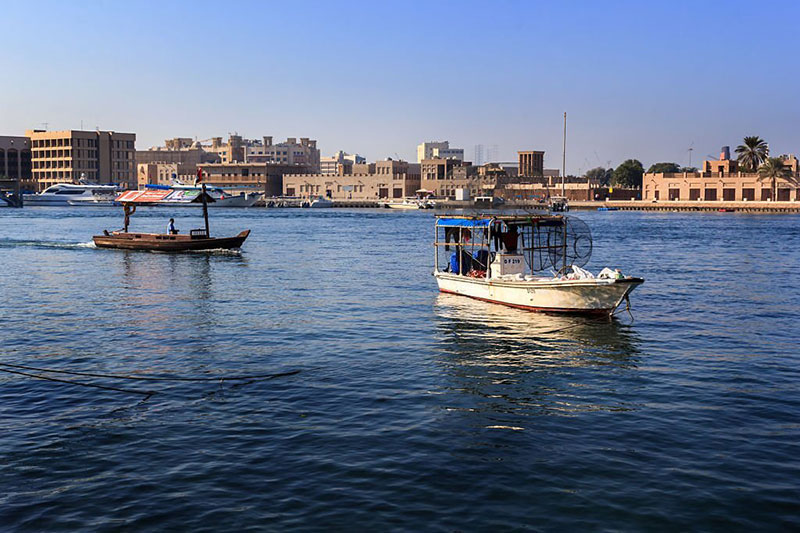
[65, 194]
[189, 196]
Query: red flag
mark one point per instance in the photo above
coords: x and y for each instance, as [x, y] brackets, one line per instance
[199, 175]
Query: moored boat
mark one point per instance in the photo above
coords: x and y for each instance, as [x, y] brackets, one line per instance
[189, 196]
[64, 194]
[503, 259]
[319, 202]
[410, 203]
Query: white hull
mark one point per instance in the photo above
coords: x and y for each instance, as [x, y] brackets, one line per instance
[229, 201]
[601, 296]
[410, 204]
[66, 194]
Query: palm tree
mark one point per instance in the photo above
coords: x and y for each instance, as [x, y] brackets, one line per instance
[753, 152]
[773, 169]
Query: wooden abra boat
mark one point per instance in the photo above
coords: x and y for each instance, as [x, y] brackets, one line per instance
[197, 239]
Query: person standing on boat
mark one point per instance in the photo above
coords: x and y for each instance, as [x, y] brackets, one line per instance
[171, 227]
[128, 209]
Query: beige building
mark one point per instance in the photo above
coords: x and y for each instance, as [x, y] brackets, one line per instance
[721, 184]
[531, 163]
[302, 153]
[438, 150]
[267, 177]
[161, 174]
[369, 181]
[71, 155]
[183, 151]
[15, 158]
[339, 164]
[439, 176]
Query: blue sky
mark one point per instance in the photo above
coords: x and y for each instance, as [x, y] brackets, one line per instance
[637, 79]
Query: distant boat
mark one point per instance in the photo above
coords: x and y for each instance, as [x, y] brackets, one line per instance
[320, 203]
[189, 196]
[64, 194]
[196, 239]
[558, 204]
[504, 259]
[410, 203]
[608, 208]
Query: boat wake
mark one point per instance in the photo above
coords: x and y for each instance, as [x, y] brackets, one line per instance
[14, 243]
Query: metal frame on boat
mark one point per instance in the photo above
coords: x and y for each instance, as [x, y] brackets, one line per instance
[504, 259]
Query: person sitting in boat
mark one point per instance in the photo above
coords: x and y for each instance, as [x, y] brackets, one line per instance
[171, 227]
[510, 238]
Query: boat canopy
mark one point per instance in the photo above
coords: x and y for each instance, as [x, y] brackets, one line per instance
[142, 197]
[464, 222]
[483, 221]
[153, 195]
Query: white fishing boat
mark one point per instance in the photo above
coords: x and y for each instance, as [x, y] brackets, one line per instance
[65, 194]
[505, 259]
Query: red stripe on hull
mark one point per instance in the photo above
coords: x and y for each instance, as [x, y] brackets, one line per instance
[535, 309]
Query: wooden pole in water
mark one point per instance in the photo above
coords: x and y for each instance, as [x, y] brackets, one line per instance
[564, 158]
[205, 210]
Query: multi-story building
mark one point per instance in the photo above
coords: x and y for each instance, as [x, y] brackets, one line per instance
[438, 150]
[15, 158]
[439, 176]
[179, 150]
[368, 181]
[179, 156]
[160, 174]
[237, 150]
[266, 177]
[339, 164]
[721, 180]
[72, 155]
[303, 153]
[531, 163]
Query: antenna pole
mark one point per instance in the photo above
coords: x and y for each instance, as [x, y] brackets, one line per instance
[564, 158]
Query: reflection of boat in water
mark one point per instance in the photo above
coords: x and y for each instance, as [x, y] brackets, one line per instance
[505, 367]
[197, 239]
[502, 258]
[64, 194]
[503, 331]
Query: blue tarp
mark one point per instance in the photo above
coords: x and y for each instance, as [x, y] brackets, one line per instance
[464, 223]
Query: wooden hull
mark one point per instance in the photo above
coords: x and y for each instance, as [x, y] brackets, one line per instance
[555, 296]
[156, 242]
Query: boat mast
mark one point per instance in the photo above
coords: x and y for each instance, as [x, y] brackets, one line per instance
[564, 158]
[205, 210]
[205, 200]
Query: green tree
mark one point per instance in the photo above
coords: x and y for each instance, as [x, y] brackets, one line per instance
[600, 175]
[752, 153]
[773, 169]
[689, 169]
[666, 168]
[629, 174]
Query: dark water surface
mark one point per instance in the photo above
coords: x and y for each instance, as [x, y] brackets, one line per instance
[412, 410]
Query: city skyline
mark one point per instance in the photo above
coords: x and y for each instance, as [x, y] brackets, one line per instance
[637, 81]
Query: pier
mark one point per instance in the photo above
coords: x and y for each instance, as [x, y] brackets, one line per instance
[10, 192]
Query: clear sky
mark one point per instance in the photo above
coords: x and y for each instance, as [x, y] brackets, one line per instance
[637, 79]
